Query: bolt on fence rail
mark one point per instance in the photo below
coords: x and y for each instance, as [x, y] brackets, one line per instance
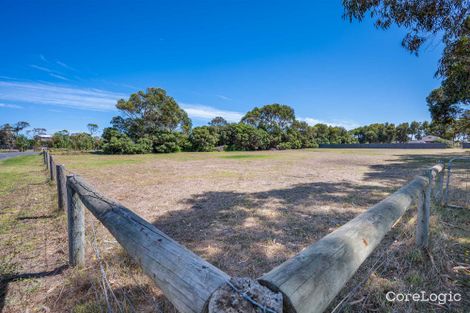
[308, 282]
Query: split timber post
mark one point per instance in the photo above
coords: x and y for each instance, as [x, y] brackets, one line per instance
[46, 161]
[51, 167]
[187, 280]
[424, 207]
[75, 226]
[311, 280]
[61, 181]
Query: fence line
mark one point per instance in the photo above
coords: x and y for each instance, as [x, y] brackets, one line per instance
[308, 282]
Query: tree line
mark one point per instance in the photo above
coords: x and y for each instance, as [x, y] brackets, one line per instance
[152, 121]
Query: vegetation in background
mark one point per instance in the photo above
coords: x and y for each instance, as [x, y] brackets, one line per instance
[448, 19]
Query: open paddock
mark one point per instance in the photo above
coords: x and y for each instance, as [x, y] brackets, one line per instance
[247, 212]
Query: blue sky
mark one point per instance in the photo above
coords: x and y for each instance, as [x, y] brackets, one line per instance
[64, 64]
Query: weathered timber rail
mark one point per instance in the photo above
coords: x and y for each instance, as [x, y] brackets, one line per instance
[308, 282]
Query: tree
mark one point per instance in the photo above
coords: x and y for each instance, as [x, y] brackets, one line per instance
[273, 118]
[92, 128]
[403, 130]
[149, 113]
[39, 131]
[203, 138]
[218, 121]
[246, 137]
[425, 19]
[414, 130]
[22, 143]
[7, 136]
[19, 126]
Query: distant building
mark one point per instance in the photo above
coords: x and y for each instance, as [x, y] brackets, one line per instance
[44, 138]
[430, 139]
[427, 139]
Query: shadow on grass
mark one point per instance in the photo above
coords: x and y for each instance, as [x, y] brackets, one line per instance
[8, 278]
[247, 234]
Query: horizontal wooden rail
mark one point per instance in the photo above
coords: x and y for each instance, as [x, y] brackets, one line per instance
[312, 279]
[187, 280]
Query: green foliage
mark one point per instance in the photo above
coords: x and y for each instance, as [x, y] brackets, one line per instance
[166, 142]
[81, 141]
[402, 131]
[150, 113]
[425, 19]
[22, 143]
[273, 118]
[245, 137]
[61, 140]
[203, 138]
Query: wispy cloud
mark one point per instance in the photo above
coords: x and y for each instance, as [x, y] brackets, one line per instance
[66, 96]
[58, 76]
[207, 112]
[42, 57]
[41, 68]
[346, 124]
[10, 106]
[65, 66]
[223, 97]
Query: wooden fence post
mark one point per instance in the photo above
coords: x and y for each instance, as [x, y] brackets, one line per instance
[421, 221]
[441, 185]
[51, 168]
[310, 280]
[426, 212]
[76, 227]
[47, 160]
[61, 187]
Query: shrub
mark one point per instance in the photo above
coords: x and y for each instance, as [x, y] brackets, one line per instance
[81, 141]
[203, 139]
[246, 137]
[166, 142]
[22, 143]
[121, 145]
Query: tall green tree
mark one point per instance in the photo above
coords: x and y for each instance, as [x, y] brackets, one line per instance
[403, 130]
[149, 113]
[92, 128]
[273, 118]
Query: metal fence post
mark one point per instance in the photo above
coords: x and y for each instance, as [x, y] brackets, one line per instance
[76, 227]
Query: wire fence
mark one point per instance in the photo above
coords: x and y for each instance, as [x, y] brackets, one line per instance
[457, 193]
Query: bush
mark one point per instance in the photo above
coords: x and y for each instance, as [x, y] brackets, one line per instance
[203, 139]
[246, 137]
[284, 146]
[82, 141]
[22, 143]
[121, 145]
[166, 142]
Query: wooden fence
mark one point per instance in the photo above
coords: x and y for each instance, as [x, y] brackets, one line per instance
[305, 283]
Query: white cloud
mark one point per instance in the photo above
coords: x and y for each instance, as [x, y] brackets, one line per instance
[346, 124]
[58, 76]
[41, 68]
[206, 112]
[67, 96]
[223, 97]
[65, 66]
[10, 106]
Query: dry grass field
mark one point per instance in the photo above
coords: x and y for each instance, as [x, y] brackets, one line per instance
[247, 212]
